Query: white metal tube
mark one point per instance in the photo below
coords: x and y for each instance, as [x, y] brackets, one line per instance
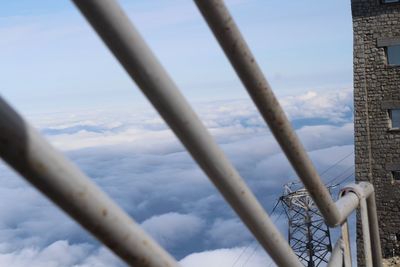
[346, 245]
[110, 22]
[346, 205]
[232, 42]
[366, 196]
[371, 241]
[336, 259]
[365, 233]
[365, 188]
[27, 152]
[374, 232]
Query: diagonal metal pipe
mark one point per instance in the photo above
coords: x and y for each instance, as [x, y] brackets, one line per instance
[236, 49]
[374, 231]
[369, 221]
[23, 148]
[336, 259]
[110, 22]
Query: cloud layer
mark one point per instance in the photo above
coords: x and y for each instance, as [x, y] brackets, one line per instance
[137, 160]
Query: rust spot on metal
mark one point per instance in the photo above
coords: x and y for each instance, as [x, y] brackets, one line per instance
[126, 237]
[40, 167]
[82, 192]
[104, 212]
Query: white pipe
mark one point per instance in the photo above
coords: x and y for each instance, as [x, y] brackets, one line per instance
[236, 49]
[48, 170]
[113, 26]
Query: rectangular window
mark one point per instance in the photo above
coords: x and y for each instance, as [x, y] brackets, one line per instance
[393, 55]
[396, 175]
[394, 115]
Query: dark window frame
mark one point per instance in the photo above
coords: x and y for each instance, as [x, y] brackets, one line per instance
[396, 176]
[386, 43]
[391, 120]
[389, 3]
[387, 106]
[393, 172]
[387, 57]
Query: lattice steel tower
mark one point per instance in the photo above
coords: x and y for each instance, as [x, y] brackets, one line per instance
[308, 234]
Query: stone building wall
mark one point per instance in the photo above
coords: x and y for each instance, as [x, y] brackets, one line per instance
[376, 90]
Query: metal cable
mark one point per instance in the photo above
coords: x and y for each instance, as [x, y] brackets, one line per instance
[338, 176]
[248, 245]
[336, 163]
[257, 246]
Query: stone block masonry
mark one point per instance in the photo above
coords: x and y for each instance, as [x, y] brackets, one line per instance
[376, 27]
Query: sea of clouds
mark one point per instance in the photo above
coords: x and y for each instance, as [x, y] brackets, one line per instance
[134, 157]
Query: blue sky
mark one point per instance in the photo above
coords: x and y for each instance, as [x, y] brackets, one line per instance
[55, 70]
[52, 60]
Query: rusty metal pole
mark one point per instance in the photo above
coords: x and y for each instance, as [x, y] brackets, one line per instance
[370, 230]
[366, 232]
[121, 37]
[48, 170]
[336, 259]
[235, 47]
[346, 245]
[26, 151]
[374, 232]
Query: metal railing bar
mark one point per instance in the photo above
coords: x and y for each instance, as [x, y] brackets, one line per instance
[110, 22]
[346, 205]
[369, 222]
[336, 259]
[346, 244]
[232, 42]
[374, 231]
[23, 148]
[365, 233]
